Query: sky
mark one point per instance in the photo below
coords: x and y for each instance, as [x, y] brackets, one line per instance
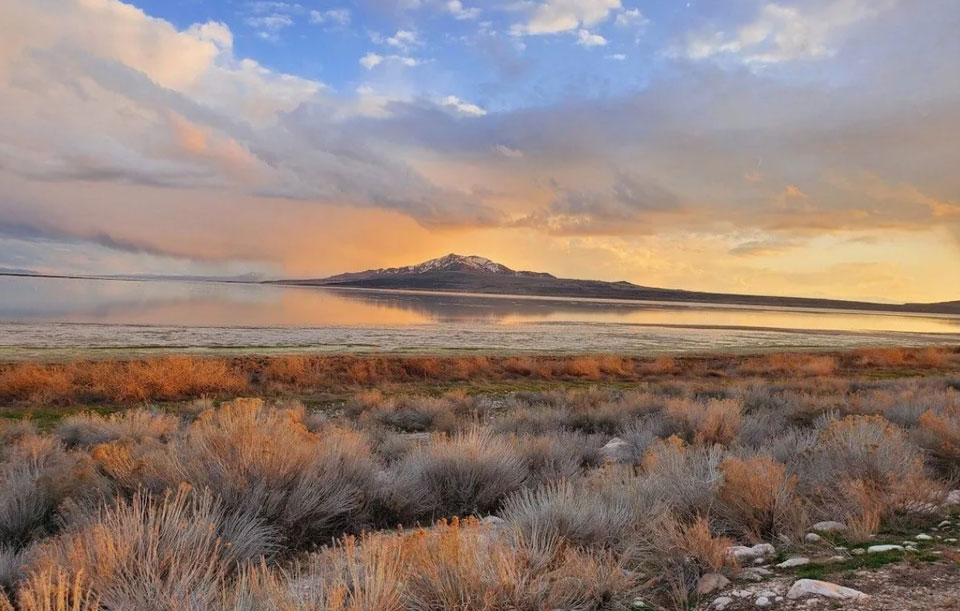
[797, 147]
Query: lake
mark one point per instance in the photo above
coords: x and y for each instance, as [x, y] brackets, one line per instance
[65, 317]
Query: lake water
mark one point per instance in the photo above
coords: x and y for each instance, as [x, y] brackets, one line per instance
[61, 317]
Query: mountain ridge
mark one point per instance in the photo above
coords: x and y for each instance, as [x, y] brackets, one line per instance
[475, 274]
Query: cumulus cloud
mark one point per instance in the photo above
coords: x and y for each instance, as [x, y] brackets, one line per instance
[553, 16]
[371, 60]
[461, 107]
[338, 16]
[459, 11]
[585, 38]
[785, 33]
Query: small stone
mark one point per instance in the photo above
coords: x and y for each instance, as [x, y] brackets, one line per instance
[829, 527]
[953, 498]
[813, 538]
[741, 593]
[763, 601]
[880, 549]
[840, 548]
[764, 549]
[722, 603]
[638, 603]
[759, 561]
[923, 537]
[944, 524]
[616, 451]
[813, 587]
[790, 563]
[835, 559]
[754, 573]
[710, 583]
[858, 551]
[949, 540]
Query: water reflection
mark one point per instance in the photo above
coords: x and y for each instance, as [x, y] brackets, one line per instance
[203, 304]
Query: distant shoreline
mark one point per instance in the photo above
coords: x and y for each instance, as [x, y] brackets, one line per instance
[573, 292]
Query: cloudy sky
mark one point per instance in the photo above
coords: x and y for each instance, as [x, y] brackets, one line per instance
[802, 147]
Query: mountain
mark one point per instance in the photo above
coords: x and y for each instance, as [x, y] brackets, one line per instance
[451, 263]
[473, 274]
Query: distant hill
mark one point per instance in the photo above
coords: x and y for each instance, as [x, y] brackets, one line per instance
[16, 271]
[473, 274]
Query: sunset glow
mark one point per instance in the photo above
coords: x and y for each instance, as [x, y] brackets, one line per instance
[792, 148]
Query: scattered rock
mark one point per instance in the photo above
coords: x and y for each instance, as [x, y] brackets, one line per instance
[745, 554]
[879, 549]
[763, 601]
[710, 583]
[813, 587]
[858, 551]
[757, 573]
[953, 498]
[722, 603]
[835, 559]
[923, 537]
[813, 538]
[790, 563]
[829, 527]
[616, 451]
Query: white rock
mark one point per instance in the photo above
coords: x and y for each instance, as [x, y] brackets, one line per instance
[741, 593]
[755, 573]
[858, 551]
[829, 527]
[944, 524]
[710, 583]
[617, 451]
[833, 559]
[923, 537]
[813, 538]
[747, 554]
[722, 603]
[763, 601]
[638, 603]
[953, 498]
[813, 587]
[879, 549]
[768, 594]
[789, 563]
[764, 550]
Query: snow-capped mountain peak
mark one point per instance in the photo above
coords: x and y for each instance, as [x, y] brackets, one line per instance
[448, 263]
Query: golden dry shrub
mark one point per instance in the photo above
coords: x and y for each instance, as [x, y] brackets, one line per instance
[684, 551]
[290, 371]
[659, 366]
[54, 591]
[939, 434]
[715, 421]
[758, 497]
[935, 358]
[790, 363]
[37, 383]
[881, 357]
